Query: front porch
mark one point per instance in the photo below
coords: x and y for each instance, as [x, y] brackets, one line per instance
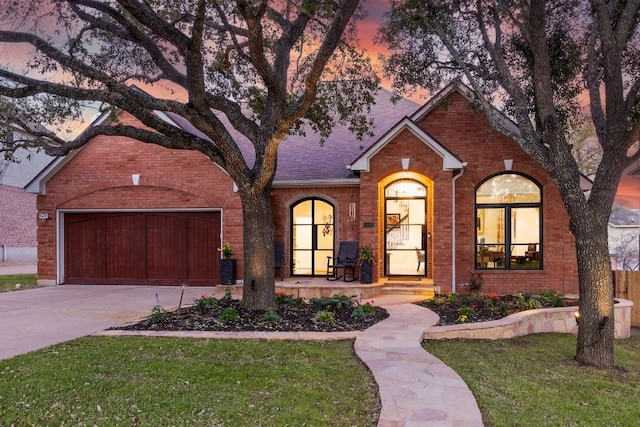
[308, 287]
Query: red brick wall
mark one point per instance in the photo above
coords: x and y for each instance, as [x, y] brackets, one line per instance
[99, 177]
[467, 133]
[283, 199]
[18, 217]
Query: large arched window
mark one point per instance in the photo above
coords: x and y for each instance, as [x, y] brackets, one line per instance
[312, 236]
[509, 223]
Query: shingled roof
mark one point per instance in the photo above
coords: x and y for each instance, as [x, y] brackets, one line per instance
[302, 159]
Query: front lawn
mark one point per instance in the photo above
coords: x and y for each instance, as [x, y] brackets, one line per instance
[533, 381]
[26, 281]
[150, 381]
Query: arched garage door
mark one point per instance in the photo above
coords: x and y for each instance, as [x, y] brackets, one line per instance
[159, 248]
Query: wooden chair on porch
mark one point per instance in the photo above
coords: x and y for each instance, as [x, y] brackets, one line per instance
[345, 261]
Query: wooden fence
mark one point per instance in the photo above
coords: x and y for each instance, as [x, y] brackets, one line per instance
[627, 286]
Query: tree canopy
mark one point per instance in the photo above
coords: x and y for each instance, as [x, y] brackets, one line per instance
[254, 69]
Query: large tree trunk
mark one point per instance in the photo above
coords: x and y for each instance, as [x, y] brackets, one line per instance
[258, 292]
[596, 324]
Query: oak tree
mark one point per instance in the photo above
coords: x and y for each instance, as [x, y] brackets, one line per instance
[536, 59]
[254, 69]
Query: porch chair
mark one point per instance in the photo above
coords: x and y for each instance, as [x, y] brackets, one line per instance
[279, 258]
[345, 261]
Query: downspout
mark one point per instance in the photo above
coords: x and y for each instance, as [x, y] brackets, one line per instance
[453, 229]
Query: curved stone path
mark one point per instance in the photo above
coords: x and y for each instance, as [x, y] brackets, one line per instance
[416, 388]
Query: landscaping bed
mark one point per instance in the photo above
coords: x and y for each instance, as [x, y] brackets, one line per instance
[456, 309]
[334, 314]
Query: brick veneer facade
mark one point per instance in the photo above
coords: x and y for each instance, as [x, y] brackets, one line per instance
[465, 132]
[99, 178]
[17, 217]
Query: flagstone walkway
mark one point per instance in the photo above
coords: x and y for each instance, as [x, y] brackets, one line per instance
[416, 388]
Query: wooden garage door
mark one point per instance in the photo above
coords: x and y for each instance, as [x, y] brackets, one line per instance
[142, 248]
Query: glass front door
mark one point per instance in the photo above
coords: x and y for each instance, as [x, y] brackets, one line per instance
[312, 237]
[405, 229]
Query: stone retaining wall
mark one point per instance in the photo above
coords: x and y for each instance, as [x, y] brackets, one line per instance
[560, 319]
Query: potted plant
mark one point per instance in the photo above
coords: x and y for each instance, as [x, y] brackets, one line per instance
[366, 264]
[227, 265]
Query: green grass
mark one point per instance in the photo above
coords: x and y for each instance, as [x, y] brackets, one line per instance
[150, 381]
[533, 381]
[27, 281]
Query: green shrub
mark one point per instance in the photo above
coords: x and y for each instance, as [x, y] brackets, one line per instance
[204, 302]
[158, 314]
[434, 302]
[283, 299]
[326, 316]
[229, 314]
[334, 303]
[272, 317]
[466, 311]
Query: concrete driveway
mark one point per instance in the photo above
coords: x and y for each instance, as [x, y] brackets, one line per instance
[36, 318]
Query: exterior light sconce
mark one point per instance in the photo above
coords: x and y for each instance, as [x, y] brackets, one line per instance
[352, 211]
[405, 163]
[508, 164]
[43, 217]
[577, 317]
[135, 178]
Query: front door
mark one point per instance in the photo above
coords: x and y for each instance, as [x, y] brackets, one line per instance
[405, 220]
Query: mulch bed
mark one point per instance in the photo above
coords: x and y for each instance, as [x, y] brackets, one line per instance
[485, 307]
[292, 319]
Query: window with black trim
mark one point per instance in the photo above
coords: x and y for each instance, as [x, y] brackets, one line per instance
[509, 223]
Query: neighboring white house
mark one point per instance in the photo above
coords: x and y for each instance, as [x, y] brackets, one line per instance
[18, 214]
[624, 238]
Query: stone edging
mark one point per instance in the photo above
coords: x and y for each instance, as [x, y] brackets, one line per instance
[559, 319]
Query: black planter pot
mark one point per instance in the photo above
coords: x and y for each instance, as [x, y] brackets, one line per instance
[366, 272]
[228, 271]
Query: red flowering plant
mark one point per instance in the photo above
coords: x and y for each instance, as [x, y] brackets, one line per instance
[204, 302]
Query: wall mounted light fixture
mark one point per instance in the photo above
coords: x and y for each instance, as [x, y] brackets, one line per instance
[352, 211]
[135, 178]
[577, 317]
[43, 217]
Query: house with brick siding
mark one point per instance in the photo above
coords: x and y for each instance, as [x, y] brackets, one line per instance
[435, 191]
[17, 208]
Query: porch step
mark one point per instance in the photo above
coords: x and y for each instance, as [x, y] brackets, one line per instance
[426, 289]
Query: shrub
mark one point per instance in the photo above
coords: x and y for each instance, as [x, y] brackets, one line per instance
[229, 314]
[158, 314]
[433, 302]
[204, 302]
[326, 316]
[361, 312]
[554, 298]
[466, 311]
[335, 303]
[283, 299]
[272, 317]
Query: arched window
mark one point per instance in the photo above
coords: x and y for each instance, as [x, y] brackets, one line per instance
[312, 236]
[509, 223]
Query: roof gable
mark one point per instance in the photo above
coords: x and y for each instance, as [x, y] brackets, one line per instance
[449, 160]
